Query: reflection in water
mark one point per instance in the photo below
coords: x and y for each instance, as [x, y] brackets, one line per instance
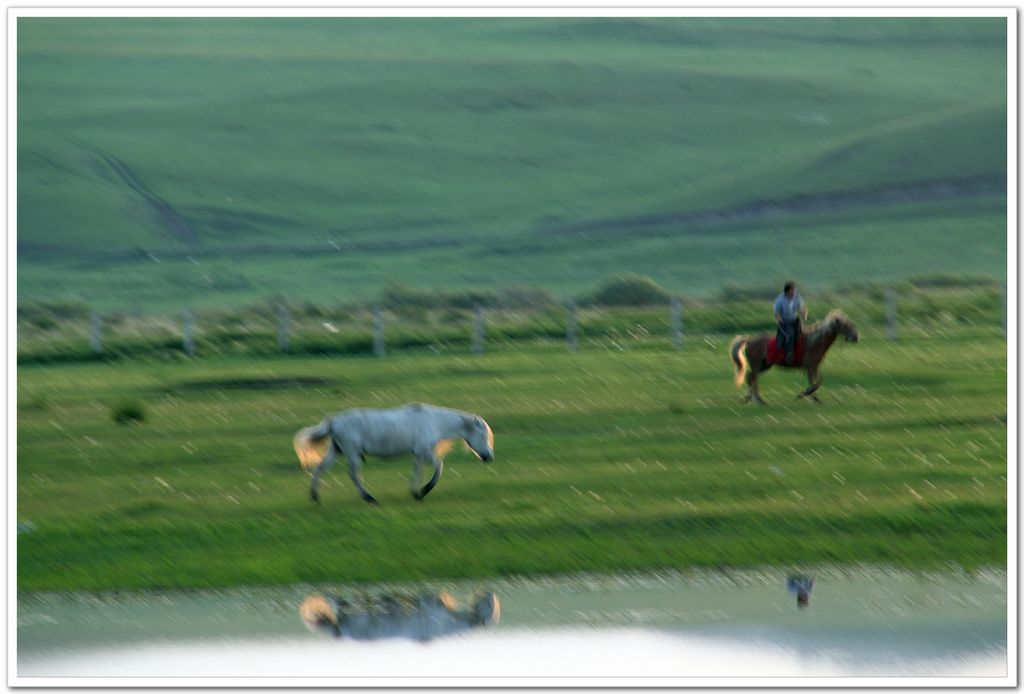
[865, 622]
[421, 617]
[802, 586]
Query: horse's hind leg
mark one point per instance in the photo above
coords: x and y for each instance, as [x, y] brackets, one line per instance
[355, 471]
[314, 487]
[751, 383]
[755, 389]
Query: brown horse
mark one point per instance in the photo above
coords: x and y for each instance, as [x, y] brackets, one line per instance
[750, 355]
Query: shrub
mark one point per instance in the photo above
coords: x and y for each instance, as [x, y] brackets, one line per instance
[48, 314]
[949, 281]
[399, 295]
[128, 413]
[628, 290]
[524, 297]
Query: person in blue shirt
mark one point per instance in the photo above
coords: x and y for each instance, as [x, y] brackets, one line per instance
[789, 309]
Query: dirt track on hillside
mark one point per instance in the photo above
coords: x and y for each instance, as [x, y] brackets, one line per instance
[758, 210]
[174, 225]
[665, 224]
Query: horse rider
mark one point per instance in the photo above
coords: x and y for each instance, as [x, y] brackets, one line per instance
[802, 586]
[789, 309]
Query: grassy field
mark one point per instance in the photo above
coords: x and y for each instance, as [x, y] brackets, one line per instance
[231, 164]
[217, 162]
[614, 458]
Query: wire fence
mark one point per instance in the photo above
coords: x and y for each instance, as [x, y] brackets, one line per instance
[79, 333]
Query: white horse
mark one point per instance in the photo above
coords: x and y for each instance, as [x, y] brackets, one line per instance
[422, 617]
[422, 430]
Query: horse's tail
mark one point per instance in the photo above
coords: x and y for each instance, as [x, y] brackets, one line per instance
[311, 443]
[738, 352]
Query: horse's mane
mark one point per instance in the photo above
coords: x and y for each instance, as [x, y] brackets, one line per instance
[815, 331]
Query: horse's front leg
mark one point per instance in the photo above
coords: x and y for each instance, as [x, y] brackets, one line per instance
[438, 468]
[314, 487]
[417, 475]
[813, 384]
[355, 471]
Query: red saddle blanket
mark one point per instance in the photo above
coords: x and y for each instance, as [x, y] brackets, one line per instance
[777, 355]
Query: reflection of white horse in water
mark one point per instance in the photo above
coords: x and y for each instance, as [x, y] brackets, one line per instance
[422, 430]
[422, 617]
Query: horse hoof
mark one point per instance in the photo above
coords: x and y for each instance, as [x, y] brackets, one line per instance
[314, 496]
[417, 496]
[370, 500]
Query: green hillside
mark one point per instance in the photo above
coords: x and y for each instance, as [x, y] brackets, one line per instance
[219, 161]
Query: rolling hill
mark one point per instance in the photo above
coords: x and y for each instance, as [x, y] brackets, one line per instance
[216, 162]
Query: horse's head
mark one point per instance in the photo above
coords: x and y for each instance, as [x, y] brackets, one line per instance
[480, 438]
[487, 610]
[847, 330]
[843, 326]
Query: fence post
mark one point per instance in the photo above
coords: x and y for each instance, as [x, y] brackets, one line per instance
[1002, 303]
[188, 341]
[283, 326]
[571, 327]
[477, 345]
[96, 332]
[677, 323]
[890, 314]
[378, 332]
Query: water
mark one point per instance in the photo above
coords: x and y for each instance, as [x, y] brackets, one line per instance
[692, 624]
